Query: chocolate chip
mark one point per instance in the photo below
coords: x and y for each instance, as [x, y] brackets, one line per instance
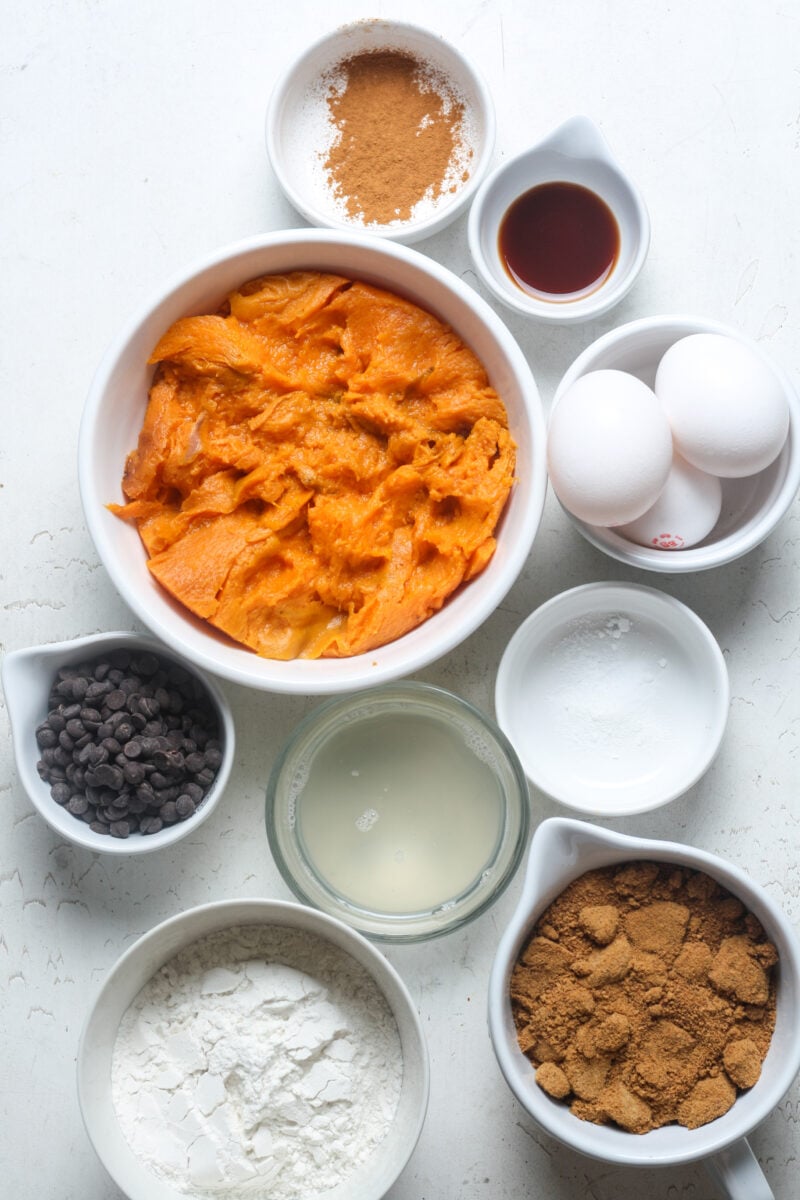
[213, 757]
[133, 773]
[185, 806]
[145, 664]
[106, 775]
[56, 720]
[97, 690]
[169, 812]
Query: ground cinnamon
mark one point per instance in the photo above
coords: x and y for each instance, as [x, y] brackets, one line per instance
[645, 996]
[400, 136]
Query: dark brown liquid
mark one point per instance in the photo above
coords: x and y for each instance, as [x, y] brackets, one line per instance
[559, 241]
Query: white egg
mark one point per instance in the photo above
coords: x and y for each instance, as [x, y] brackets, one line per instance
[685, 512]
[609, 448]
[727, 408]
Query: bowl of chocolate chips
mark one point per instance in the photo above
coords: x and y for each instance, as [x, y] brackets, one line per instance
[122, 746]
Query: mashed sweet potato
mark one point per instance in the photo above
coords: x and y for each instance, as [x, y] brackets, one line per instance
[321, 465]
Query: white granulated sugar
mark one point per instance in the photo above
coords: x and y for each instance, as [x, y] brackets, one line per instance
[606, 694]
[261, 1061]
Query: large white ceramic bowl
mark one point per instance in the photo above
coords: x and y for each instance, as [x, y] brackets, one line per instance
[146, 956]
[297, 128]
[561, 851]
[115, 407]
[751, 507]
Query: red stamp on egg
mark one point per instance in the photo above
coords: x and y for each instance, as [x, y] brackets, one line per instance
[668, 541]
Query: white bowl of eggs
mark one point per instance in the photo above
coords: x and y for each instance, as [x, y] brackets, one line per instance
[674, 444]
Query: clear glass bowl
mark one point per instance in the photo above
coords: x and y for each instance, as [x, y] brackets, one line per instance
[403, 811]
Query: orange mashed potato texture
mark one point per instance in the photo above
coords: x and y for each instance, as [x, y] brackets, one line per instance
[321, 465]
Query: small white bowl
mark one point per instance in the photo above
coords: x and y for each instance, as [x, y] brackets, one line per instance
[574, 153]
[615, 697]
[27, 678]
[751, 507]
[141, 961]
[299, 133]
[115, 408]
[562, 850]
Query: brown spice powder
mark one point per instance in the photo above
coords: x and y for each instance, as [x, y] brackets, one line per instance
[400, 136]
[645, 996]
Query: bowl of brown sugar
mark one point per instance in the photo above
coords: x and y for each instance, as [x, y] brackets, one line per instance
[381, 126]
[643, 1002]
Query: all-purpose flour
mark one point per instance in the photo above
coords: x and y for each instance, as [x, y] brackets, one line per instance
[259, 1060]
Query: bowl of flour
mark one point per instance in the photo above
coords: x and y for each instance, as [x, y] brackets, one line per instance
[253, 1048]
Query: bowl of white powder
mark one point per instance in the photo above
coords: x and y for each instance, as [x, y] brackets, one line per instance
[253, 1048]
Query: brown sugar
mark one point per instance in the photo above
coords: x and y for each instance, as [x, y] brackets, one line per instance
[645, 996]
[742, 1062]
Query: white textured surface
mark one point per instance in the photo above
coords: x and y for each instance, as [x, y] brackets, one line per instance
[132, 142]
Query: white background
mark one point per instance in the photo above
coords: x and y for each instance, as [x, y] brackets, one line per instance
[132, 143]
